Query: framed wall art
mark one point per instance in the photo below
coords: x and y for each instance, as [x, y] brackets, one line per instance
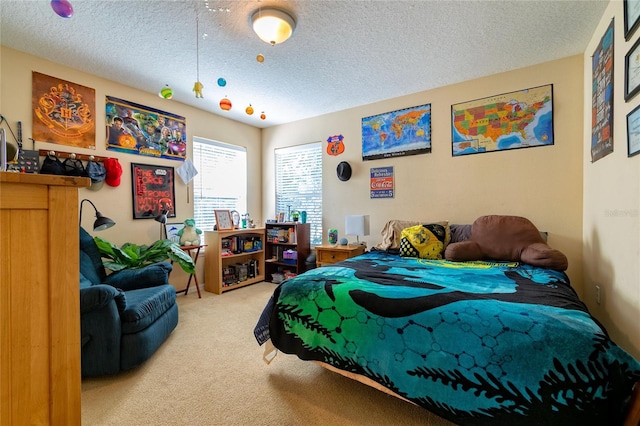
[223, 219]
[602, 96]
[397, 133]
[631, 17]
[633, 132]
[153, 190]
[632, 71]
[172, 231]
[513, 120]
[63, 112]
[137, 129]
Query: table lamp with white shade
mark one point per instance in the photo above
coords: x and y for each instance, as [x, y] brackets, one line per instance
[357, 225]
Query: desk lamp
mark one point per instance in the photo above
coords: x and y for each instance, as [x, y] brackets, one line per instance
[101, 223]
[162, 218]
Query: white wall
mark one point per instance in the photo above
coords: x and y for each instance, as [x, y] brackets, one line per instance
[543, 183]
[611, 231]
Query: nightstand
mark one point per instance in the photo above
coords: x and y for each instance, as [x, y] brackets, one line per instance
[328, 254]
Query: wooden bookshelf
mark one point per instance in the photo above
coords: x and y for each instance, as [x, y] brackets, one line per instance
[221, 257]
[275, 262]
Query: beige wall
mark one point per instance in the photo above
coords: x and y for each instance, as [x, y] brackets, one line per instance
[116, 202]
[611, 234]
[543, 183]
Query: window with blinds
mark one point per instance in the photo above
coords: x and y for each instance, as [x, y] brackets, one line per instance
[299, 184]
[221, 182]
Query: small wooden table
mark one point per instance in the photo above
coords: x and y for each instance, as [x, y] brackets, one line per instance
[329, 254]
[194, 252]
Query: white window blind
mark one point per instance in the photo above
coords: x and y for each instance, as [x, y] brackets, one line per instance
[299, 184]
[221, 182]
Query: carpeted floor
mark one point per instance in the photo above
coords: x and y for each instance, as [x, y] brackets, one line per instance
[210, 372]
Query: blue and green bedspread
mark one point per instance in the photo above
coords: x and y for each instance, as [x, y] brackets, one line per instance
[474, 342]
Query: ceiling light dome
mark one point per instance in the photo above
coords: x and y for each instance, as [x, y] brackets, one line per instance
[273, 26]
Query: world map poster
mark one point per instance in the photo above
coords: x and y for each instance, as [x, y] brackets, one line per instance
[397, 133]
[512, 120]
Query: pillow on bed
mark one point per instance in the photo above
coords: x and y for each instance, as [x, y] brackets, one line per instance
[392, 232]
[510, 238]
[463, 232]
[423, 241]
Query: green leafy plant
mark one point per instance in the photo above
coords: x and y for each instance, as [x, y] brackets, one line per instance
[133, 256]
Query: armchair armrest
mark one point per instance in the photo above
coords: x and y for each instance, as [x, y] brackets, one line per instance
[134, 279]
[98, 296]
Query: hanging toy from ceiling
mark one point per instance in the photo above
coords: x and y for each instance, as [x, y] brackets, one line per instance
[166, 92]
[260, 58]
[263, 116]
[197, 86]
[249, 110]
[225, 104]
[222, 82]
[63, 8]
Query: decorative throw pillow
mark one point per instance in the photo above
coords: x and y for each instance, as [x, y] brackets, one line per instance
[391, 233]
[423, 241]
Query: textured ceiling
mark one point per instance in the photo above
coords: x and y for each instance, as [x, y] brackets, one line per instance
[342, 54]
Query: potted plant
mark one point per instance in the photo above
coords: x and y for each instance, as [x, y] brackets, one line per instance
[295, 215]
[133, 256]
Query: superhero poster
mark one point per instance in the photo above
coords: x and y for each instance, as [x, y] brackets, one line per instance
[142, 130]
[153, 189]
[63, 112]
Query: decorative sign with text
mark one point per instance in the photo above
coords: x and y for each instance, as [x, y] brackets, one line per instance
[381, 182]
[153, 191]
[335, 145]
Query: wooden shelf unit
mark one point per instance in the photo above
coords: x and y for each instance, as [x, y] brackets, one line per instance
[215, 262]
[40, 379]
[274, 263]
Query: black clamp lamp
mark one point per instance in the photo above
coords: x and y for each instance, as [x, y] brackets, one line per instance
[101, 223]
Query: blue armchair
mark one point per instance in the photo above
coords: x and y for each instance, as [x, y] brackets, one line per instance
[124, 316]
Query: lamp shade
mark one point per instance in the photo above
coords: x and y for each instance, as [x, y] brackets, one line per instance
[273, 26]
[357, 225]
[102, 222]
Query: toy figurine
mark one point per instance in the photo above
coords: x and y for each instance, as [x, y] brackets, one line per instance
[197, 88]
[189, 235]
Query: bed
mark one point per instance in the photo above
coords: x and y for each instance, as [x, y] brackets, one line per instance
[481, 341]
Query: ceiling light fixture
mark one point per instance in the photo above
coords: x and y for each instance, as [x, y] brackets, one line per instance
[273, 26]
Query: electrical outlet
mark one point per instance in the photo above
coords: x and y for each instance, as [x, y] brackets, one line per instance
[597, 294]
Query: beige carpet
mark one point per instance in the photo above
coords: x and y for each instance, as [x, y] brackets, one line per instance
[210, 372]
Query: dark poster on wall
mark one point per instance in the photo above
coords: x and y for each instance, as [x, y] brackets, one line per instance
[153, 191]
[602, 97]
